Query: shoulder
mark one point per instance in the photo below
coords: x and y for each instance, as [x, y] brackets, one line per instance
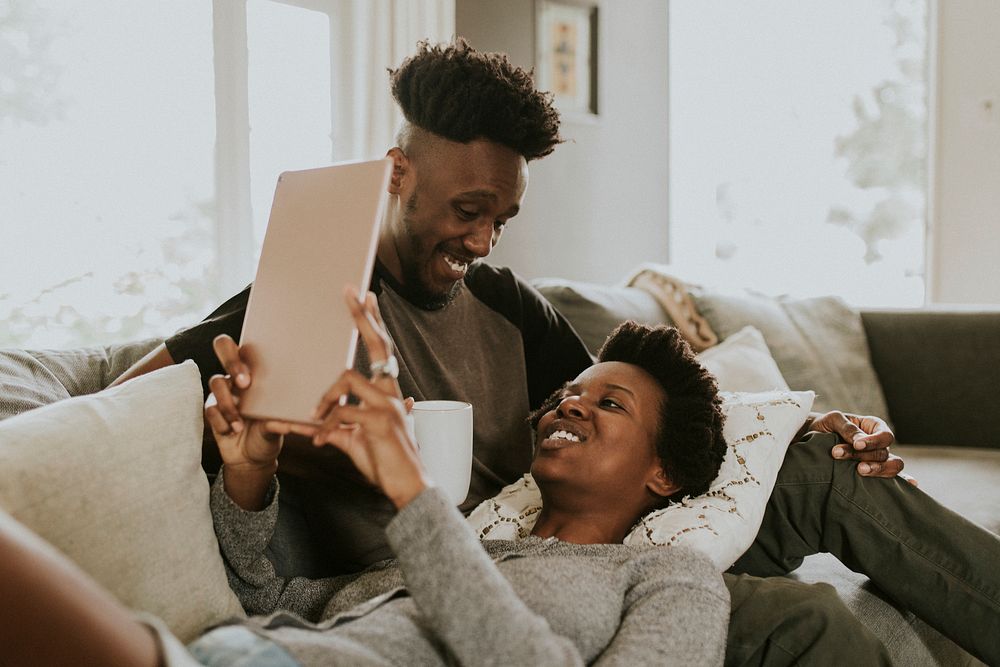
[195, 342]
[504, 291]
[489, 282]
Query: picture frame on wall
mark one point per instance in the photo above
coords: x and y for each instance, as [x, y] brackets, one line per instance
[566, 54]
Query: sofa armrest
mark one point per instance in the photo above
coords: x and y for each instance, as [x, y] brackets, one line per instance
[940, 372]
[33, 378]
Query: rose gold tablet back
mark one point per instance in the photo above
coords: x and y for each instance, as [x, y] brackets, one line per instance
[298, 335]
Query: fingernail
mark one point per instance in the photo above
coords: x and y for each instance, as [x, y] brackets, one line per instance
[864, 468]
[237, 427]
[242, 380]
[860, 443]
[839, 452]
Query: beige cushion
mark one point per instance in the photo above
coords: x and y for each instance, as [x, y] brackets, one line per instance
[594, 310]
[114, 481]
[819, 344]
[743, 362]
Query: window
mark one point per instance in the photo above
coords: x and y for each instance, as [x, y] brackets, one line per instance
[140, 143]
[106, 142]
[289, 98]
[123, 212]
[798, 133]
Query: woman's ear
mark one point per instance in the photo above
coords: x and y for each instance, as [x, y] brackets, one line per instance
[400, 168]
[661, 485]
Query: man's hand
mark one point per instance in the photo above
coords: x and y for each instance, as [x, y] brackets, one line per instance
[866, 440]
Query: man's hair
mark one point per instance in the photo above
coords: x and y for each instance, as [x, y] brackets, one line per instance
[461, 94]
[689, 440]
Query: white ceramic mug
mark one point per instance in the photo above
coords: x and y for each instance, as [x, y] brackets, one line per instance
[443, 431]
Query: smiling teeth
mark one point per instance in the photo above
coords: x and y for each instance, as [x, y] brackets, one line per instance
[458, 267]
[564, 435]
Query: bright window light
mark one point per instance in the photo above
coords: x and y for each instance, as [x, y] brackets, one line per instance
[798, 157]
[290, 103]
[107, 131]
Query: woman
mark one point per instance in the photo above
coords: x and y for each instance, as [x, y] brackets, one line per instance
[630, 433]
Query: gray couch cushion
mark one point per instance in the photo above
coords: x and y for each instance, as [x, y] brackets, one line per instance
[966, 480]
[908, 640]
[32, 378]
[26, 383]
[818, 343]
[594, 310]
[940, 371]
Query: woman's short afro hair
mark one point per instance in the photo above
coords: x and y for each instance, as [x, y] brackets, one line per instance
[690, 443]
[462, 94]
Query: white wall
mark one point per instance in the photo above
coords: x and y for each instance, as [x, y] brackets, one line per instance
[597, 206]
[965, 224]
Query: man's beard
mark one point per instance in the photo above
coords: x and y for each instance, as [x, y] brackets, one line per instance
[414, 286]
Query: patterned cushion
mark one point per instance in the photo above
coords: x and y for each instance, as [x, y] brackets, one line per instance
[721, 523]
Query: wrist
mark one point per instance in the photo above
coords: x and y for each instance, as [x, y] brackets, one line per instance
[251, 469]
[247, 485]
[402, 494]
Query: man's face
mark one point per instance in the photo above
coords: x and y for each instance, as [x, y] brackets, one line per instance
[455, 200]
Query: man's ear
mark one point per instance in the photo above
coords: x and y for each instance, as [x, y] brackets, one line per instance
[400, 168]
[661, 485]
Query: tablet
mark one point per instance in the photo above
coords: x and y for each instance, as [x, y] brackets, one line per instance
[298, 336]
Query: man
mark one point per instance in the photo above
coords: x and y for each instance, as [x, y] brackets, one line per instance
[465, 330]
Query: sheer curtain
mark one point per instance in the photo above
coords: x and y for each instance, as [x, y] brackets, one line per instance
[376, 35]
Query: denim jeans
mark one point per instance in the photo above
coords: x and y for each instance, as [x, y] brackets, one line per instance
[236, 646]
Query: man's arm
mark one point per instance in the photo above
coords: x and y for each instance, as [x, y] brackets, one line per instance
[196, 342]
[158, 358]
[553, 352]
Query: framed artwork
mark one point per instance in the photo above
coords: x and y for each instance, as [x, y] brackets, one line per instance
[566, 56]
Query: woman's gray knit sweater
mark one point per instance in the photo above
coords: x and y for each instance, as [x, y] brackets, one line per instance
[450, 599]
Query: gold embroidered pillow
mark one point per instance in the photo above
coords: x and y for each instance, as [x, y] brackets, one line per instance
[721, 523]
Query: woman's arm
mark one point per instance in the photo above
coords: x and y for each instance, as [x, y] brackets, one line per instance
[52, 613]
[458, 588]
[243, 539]
[465, 599]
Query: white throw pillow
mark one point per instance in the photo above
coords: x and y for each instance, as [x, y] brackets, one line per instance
[114, 481]
[743, 362]
[721, 523]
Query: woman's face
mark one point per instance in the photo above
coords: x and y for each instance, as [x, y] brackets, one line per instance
[600, 438]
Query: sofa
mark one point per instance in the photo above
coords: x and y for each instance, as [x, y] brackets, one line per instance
[934, 374]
